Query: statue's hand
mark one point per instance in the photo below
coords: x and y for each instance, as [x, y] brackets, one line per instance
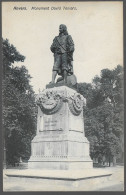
[52, 49]
[71, 49]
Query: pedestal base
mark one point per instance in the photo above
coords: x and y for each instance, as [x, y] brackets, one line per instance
[53, 165]
[64, 152]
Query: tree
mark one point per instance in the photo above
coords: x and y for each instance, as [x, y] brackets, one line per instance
[19, 108]
[104, 113]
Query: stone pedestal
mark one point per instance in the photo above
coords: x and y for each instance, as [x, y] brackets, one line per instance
[60, 142]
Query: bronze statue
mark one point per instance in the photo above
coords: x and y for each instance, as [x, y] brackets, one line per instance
[63, 48]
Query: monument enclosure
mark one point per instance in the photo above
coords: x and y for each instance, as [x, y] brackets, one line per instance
[60, 142]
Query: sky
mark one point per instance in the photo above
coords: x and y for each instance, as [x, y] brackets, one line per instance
[96, 29]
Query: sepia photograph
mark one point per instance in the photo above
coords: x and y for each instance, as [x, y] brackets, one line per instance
[62, 96]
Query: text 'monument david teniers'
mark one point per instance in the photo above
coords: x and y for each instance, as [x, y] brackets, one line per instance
[53, 8]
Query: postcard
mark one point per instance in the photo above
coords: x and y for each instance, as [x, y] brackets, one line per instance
[62, 91]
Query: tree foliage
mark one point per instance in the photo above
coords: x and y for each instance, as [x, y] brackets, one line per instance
[104, 113]
[19, 109]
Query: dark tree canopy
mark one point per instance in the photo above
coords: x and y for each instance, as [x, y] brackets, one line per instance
[19, 108]
[104, 113]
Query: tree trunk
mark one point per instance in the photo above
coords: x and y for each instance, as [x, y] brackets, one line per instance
[109, 161]
[114, 161]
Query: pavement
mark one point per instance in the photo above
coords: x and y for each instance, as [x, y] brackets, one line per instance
[116, 187]
[115, 183]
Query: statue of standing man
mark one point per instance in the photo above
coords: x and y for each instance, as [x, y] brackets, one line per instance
[63, 48]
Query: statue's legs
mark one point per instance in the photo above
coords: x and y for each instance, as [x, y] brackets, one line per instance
[60, 65]
[56, 67]
[54, 73]
[65, 76]
[65, 66]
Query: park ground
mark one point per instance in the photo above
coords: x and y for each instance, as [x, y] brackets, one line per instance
[116, 183]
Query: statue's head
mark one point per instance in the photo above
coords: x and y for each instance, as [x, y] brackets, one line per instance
[63, 29]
